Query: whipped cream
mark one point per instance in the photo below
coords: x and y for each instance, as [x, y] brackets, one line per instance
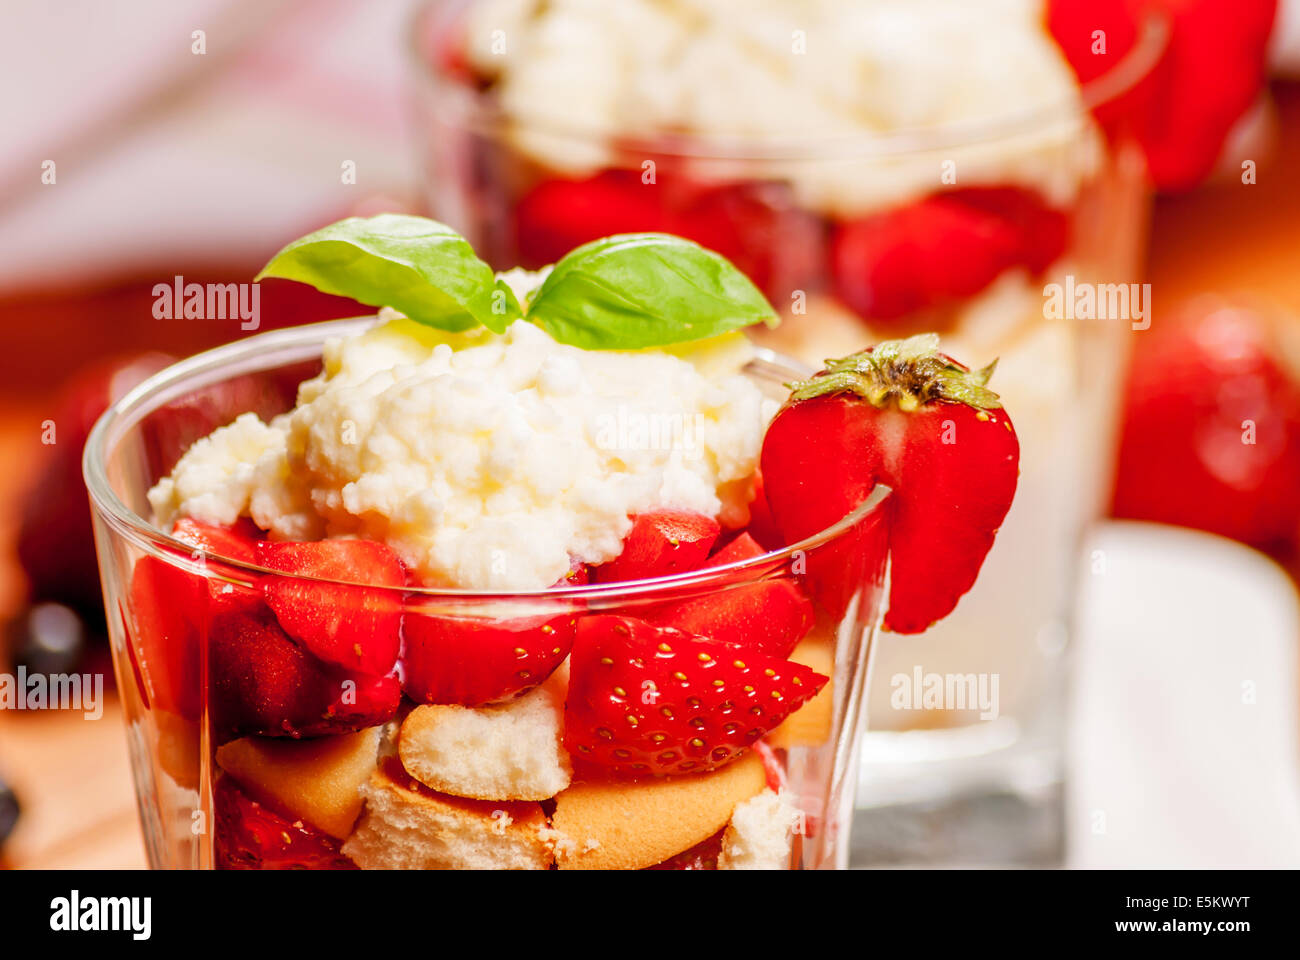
[819, 72]
[485, 461]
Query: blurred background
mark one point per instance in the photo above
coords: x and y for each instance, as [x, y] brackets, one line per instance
[154, 139]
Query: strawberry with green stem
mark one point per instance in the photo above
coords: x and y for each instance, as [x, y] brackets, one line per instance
[907, 416]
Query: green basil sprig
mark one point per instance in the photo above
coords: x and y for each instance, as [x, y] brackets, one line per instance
[418, 266]
[625, 292]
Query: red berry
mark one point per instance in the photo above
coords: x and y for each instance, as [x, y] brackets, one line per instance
[906, 416]
[349, 626]
[248, 836]
[165, 641]
[661, 543]
[890, 265]
[770, 616]
[473, 661]
[646, 701]
[261, 682]
[743, 547]
[1211, 434]
[557, 215]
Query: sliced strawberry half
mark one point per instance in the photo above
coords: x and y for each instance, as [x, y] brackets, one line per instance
[262, 682]
[249, 836]
[661, 543]
[770, 616]
[350, 626]
[904, 415]
[646, 701]
[473, 661]
[166, 638]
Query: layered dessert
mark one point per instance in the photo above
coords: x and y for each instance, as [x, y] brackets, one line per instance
[878, 169]
[536, 573]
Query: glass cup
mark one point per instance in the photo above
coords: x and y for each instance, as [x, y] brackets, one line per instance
[835, 232]
[247, 751]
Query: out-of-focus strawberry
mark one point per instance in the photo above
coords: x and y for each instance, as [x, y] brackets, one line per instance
[1211, 430]
[556, 216]
[1212, 70]
[55, 544]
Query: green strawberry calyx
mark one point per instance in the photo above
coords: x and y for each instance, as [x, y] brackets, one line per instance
[904, 373]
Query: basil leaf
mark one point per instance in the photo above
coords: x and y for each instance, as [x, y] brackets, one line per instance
[417, 266]
[645, 290]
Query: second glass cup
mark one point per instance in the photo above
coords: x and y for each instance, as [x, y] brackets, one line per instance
[962, 229]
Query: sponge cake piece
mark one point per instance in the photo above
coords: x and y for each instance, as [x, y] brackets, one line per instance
[316, 780]
[510, 751]
[628, 825]
[407, 826]
[760, 835]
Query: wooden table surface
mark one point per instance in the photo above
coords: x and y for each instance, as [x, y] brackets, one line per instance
[72, 774]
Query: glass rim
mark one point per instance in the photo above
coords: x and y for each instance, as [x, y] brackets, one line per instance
[207, 366]
[477, 111]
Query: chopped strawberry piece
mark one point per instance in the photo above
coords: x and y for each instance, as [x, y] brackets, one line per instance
[165, 641]
[770, 616]
[557, 215]
[647, 701]
[350, 626]
[904, 415]
[235, 543]
[661, 543]
[579, 575]
[743, 547]
[703, 856]
[472, 660]
[261, 682]
[249, 836]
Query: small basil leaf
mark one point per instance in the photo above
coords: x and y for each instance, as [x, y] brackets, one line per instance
[645, 290]
[417, 266]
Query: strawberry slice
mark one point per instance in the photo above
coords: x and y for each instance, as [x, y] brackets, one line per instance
[661, 543]
[171, 607]
[770, 616]
[473, 661]
[645, 700]
[165, 641]
[349, 626]
[743, 547]
[904, 415]
[235, 543]
[261, 682]
[249, 836]
[762, 527]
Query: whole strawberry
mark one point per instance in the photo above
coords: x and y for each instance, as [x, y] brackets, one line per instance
[647, 700]
[904, 415]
